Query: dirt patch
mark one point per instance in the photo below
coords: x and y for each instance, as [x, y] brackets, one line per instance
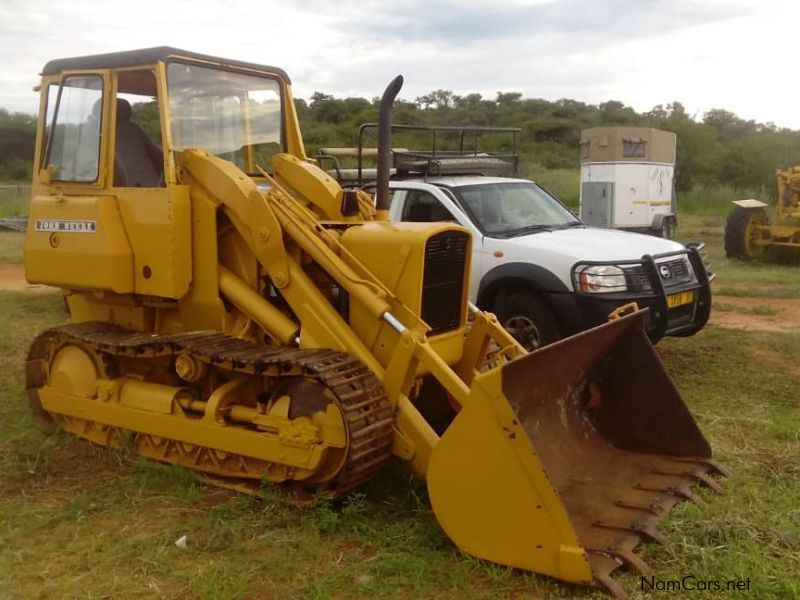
[757, 314]
[215, 498]
[12, 278]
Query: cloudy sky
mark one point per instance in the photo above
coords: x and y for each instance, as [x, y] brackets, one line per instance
[732, 54]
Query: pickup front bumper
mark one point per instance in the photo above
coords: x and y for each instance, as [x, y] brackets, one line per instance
[679, 304]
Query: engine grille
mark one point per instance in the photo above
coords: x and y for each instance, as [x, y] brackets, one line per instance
[443, 280]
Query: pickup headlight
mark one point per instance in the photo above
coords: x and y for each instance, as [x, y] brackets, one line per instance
[599, 279]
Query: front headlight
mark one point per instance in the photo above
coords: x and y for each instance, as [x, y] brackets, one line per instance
[599, 279]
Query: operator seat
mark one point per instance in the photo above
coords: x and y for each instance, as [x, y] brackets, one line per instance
[138, 162]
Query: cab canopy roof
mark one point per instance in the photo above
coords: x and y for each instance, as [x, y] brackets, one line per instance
[148, 56]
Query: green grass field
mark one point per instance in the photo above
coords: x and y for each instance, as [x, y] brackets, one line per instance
[78, 521]
[11, 243]
[14, 199]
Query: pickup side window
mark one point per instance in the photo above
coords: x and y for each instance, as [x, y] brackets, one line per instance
[424, 207]
[73, 146]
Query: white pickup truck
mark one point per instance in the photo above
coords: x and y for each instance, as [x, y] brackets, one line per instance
[535, 265]
[544, 273]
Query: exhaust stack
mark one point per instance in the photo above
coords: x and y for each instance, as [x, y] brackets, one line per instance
[385, 143]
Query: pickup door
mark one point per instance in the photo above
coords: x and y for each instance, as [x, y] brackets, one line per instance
[425, 203]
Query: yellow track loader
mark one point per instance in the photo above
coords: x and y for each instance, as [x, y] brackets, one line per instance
[236, 312]
[748, 231]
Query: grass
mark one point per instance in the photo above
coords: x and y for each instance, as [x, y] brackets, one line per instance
[712, 200]
[761, 309]
[14, 199]
[11, 244]
[77, 521]
[564, 184]
[742, 389]
[80, 521]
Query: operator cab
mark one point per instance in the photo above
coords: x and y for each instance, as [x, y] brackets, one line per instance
[115, 104]
[108, 190]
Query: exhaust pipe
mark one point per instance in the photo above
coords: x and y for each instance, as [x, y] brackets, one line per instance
[385, 142]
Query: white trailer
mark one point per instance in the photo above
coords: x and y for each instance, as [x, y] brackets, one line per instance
[627, 179]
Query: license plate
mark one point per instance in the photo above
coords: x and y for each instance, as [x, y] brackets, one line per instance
[680, 299]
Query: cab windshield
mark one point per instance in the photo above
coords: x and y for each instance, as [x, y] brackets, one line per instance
[513, 208]
[233, 115]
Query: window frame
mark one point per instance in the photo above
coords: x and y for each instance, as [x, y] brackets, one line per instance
[101, 138]
[229, 69]
[167, 163]
[634, 148]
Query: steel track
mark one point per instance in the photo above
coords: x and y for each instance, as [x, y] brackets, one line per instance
[359, 394]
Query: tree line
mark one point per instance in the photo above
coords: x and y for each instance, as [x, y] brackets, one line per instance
[718, 148]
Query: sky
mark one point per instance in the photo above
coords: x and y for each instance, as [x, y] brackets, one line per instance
[730, 54]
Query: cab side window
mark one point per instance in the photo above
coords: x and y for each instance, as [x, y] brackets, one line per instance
[138, 158]
[73, 144]
[423, 207]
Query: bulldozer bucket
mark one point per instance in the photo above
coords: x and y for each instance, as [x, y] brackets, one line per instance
[563, 461]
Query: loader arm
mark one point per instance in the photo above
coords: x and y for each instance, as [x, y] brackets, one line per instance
[265, 221]
[256, 217]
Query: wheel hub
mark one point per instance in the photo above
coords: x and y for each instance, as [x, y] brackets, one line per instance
[524, 331]
[753, 234]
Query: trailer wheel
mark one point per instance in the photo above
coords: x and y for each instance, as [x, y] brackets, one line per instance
[667, 228]
[526, 317]
[742, 233]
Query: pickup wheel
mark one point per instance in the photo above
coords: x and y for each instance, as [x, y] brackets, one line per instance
[527, 318]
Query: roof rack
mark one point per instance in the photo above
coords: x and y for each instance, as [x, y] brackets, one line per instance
[427, 162]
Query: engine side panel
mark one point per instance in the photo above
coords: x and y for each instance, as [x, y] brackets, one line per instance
[78, 242]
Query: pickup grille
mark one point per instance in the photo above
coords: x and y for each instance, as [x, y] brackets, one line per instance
[678, 269]
[443, 280]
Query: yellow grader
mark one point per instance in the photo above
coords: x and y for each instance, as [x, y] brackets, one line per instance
[747, 230]
[262, 324]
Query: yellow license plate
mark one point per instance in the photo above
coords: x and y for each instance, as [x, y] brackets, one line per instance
[680, 299]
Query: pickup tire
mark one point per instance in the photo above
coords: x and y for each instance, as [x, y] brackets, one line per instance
[527, 318]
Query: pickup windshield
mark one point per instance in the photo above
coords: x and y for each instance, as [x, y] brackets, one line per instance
[233, 115]
[513, 208]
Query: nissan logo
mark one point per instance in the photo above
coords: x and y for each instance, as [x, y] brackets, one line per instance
[665, 272]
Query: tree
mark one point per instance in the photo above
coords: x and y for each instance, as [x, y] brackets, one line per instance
[468, 101]
[727, 123]
[508, 99]
[436, 99]
[17, 143]
[615, 112]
